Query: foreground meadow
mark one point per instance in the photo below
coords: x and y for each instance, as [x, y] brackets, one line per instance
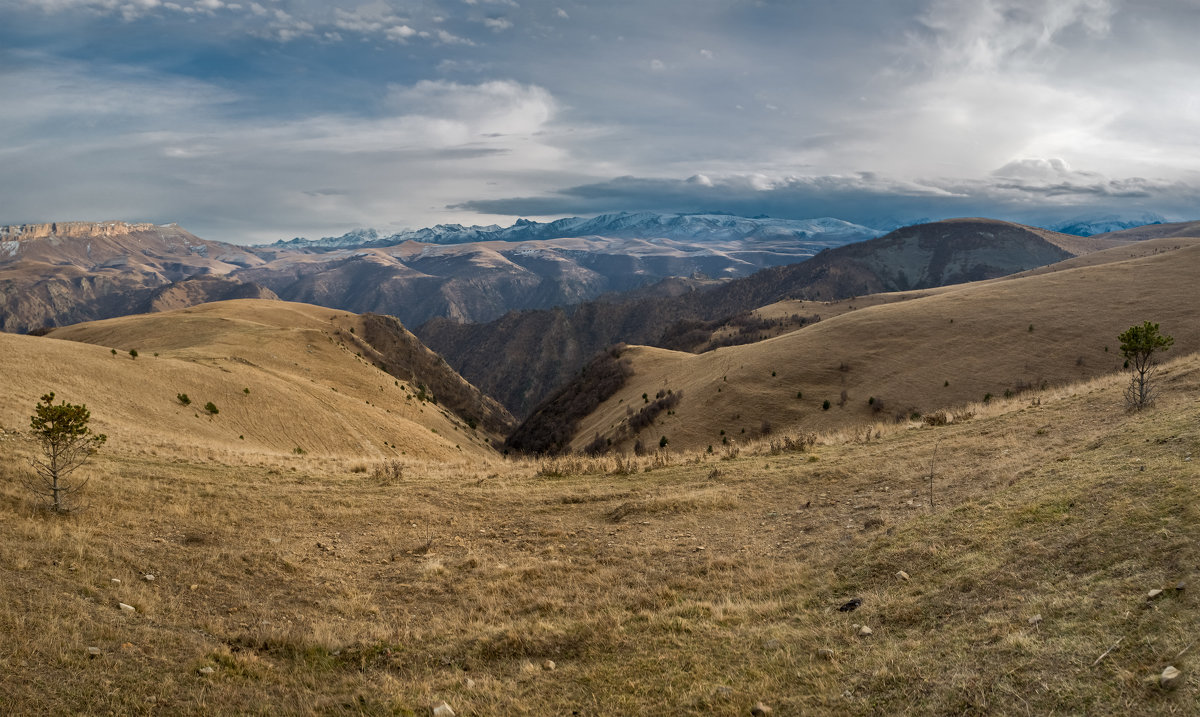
[698, 583]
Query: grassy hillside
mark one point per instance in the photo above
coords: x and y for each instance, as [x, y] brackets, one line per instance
[286, 378]
[683, 584]
[539, 351]
[885, 361]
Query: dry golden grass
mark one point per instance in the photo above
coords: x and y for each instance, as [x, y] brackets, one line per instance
[308, 390]
[914, 352]
[687, 584]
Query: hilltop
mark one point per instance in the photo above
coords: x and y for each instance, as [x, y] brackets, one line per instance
[286, 379]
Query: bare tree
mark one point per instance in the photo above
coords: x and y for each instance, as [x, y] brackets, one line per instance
[67, 443]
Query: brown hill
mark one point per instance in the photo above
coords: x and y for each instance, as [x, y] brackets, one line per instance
[285, 378]
[522, 357]
[1152, 231]
[892, 360]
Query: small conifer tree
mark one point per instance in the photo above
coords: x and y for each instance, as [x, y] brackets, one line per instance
[1139, 344]
[66, 442]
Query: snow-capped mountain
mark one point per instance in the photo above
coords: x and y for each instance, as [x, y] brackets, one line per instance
[641, 225]
[1088, 226]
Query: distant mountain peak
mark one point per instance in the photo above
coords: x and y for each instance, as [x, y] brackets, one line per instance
[1088, 226]
[647, 225]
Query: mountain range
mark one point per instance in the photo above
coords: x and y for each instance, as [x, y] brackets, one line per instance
[55, 274]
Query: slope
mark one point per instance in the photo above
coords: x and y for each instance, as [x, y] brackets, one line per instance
[547, 348]
[693, 585]
[286, 378]
[892, 360]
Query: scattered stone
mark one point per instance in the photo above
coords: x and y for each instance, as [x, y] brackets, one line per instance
[115, 581]
[1154, 594]
[759, 709]
[1180, 585]
[864, 631]
[160, 540]
[193, 586]
[469, 684]
[549, 666]
[825, 653]
[148, 578]
[1035, 619]
[851, 606]
[93, 652]
[126, 608]
[902, 575]
[1169, 677]
[206, 670]
[442, 709]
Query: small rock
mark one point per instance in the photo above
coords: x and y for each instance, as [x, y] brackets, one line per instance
[1154, 594]
[93, 652]
[1169, 677]
[850, 606]
[825, 653]
[115, 581]
[148, 578]
[442, 709]
[864, 631]
[549, 666]
[902, 575]
[1180, 585]
[126, 608]
[206, 670]
[760, 709]
[193, 586]
[1035, 619]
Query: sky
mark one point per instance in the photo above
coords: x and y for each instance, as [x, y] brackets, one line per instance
[255, 121]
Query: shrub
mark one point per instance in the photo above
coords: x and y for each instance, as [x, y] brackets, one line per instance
[662, 442]
[937, 419]
[211, 408]
[133, 353]
[825, 405]
[183, 398]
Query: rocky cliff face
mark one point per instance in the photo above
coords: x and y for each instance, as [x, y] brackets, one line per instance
[73, 230]
[59, 273]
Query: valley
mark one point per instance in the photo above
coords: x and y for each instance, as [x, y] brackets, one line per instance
[356, 528]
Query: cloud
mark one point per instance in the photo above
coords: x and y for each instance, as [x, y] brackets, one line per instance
[497, 24]
[1035, 190]
[160, 150]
